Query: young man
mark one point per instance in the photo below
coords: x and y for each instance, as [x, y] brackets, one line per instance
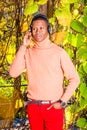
[46, 65]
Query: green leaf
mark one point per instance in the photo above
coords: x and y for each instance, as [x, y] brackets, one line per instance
[84, 20]
[42, 2]
[70, 52]
[72, 39]
[69, 1]
[85, 66]
[30, 8]
[85, 10]
[81, 122]
[83, 90]
[80, 39]
[72, 1]
[83, 103]
[77, 26]
[52, 20]
[82, 52]
[58, 12]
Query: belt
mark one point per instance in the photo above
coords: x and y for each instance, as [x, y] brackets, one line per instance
[39, 102]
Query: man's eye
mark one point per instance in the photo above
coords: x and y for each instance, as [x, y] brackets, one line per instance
[41, 28]
[33, 28]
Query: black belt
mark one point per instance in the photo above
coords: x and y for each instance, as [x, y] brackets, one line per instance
[39, 102]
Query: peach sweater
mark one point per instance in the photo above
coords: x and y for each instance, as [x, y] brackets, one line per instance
[46, 65]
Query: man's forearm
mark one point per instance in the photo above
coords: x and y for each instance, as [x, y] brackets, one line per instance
[18, 63]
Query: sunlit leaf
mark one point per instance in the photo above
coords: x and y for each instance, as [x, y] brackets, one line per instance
[72, 40]
[19, 103]
[70, 52]
[42, 2]
[64, 17]
[1, 32]
[85, 67]
[75, 13]
[30, 8]
[83, 90]
[85, 10]
[81, 122]
[68, 1]
[24, 27]
[52, 20]
[77, 26]
[2, 22]
[80, 40]
[82, 103]
[82, 52]
[58, 37]
[84, 18]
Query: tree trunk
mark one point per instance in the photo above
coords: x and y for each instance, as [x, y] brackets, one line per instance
[50, 8]
[17, 81]
[43, 9]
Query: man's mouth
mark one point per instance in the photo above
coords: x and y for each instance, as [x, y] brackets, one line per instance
[38, 36]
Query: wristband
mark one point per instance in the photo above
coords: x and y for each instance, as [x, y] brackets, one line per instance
[63, 104]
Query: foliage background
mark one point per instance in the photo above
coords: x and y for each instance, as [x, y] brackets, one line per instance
[69, 30]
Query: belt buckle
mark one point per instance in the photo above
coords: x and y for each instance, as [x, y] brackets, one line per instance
[45, 102]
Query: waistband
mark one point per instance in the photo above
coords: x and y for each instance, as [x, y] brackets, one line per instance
[41, 102]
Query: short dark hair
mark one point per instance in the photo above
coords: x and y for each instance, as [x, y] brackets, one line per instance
[40, 17]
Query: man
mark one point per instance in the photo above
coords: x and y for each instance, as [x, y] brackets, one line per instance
[46, 65]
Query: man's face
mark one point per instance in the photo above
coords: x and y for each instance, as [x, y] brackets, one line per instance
[39, 30]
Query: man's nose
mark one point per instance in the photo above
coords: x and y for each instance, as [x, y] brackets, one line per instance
[38, 30]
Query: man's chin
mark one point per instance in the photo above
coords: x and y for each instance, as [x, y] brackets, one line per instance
[39, 40]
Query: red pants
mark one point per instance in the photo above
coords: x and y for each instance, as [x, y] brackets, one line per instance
[42, 119]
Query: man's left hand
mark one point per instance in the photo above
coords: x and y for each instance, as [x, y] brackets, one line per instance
[56, 105]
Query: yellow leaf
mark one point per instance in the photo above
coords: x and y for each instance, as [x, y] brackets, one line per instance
[68, 1]
[1, 32]
[58, 37]
[24, 27]
[42, 2]
[64, 20]
[64, 16]
[30, 9]
[18, 103]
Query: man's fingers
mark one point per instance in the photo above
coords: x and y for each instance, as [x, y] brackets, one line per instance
[50, 107]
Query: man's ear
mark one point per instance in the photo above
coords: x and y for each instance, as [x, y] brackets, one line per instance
[30, 28]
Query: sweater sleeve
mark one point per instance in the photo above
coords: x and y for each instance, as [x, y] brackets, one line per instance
[71, 75]
[18, 64]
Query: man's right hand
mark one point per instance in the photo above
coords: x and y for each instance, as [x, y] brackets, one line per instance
[27, 39]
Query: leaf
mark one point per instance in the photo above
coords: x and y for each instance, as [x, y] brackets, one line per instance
[42, 2]
[72, 40]
[82, 52]
[85, 66]
[83, 103]
[52, 20]
[83, 90]
[80, 40]
[77, 26]
[68, 1]
[70, 52]
[81, 122]
[58, 37]
[84, 20]
[30, 8]
[64, 17]
[24, 27]
[85, 10]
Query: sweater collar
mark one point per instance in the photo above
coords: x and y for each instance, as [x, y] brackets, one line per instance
[45, 44]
